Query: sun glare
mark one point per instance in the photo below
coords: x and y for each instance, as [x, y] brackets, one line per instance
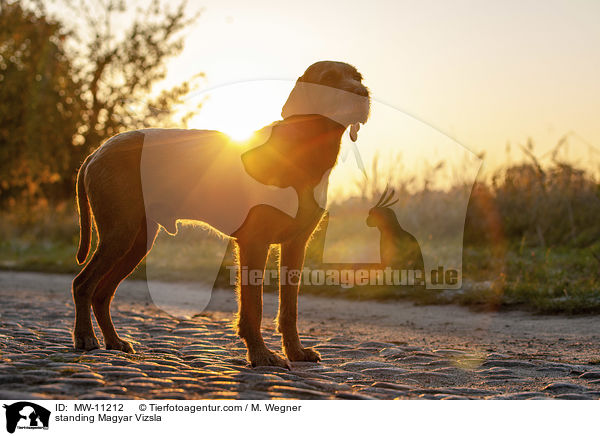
[240, 132]
[239, 109]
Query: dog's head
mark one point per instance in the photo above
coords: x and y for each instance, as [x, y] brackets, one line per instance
[334, 90]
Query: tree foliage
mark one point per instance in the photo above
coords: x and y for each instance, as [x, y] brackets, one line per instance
[40, 102]
[65, 87]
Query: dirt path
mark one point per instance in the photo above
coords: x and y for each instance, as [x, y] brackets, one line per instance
[369, 349]
[571, 338]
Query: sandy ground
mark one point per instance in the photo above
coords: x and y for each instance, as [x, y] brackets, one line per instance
[574, 339]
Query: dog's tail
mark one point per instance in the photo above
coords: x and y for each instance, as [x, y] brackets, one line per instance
[85, 218]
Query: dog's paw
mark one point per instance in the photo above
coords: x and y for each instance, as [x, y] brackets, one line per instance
[301, 354]
[86, 342]
[267, 358]
[120, 345]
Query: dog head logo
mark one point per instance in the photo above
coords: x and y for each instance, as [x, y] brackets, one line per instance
[26, 415]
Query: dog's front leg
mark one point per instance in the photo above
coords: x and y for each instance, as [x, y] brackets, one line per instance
[292, 261]
[252, 259]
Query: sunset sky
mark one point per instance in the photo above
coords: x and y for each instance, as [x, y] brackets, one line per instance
[484, 73]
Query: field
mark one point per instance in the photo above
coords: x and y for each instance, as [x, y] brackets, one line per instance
[531, 241]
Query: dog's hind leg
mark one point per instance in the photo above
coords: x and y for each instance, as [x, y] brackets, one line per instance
[252, 259]
[116, 236]
[292, 259]
[106, 289]
[108, 252]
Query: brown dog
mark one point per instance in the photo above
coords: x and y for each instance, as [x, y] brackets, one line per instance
[128, 206]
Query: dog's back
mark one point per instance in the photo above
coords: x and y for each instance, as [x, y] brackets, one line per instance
[191, 175]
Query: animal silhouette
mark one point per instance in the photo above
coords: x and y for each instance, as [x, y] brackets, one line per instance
[28, 413]
[270, 192]
[398, 249]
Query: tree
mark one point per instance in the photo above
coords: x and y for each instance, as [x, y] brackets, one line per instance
[39, 104]
[65, 90]
[118, 71]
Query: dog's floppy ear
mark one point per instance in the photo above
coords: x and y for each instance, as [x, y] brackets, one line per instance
[298, 153]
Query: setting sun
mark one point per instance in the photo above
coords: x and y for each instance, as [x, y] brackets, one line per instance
[239, 133]
[239, 109]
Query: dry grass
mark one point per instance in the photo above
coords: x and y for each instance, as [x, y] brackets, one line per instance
[531, 238]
